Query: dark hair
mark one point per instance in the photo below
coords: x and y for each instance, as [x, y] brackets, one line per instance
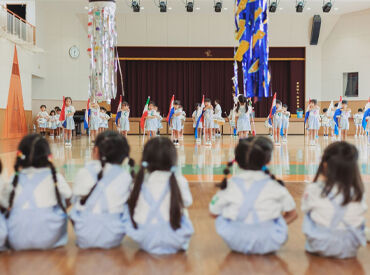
[52, 111]
[43, 106]
[336, 104]
[152, 103]
[359, 110]
[339, 166]
[1, 167]
[325, 110]
[65, 99]
[278, 101]
[217, 101]
[344, 102]
[207, 100]
[124, 103]
[285, 106]
[159, 154]
[176, 102]
[102, 108]
[33, 151]
[252, 153]
[113, 148]
[197, 105]
[314, 101]
[241, 100]
[56, 108]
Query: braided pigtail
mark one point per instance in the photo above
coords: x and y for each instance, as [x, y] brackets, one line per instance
[272, 176]
[223, 184]
[103, 161]
[131, 163]
[55, 180]
[176, 202]
[134, 196]
[14, 184]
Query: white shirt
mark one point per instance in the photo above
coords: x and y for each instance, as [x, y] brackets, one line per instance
[218, 111]
[271, 202]
[322, 210]
[155, 184]
[42, 116]
[358, 118]
[44, 193]
[69, 110]
[84, 182]
[94, 112]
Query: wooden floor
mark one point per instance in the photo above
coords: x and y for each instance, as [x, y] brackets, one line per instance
[207, 253]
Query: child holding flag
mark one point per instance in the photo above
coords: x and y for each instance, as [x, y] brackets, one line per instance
[94, 120]
[208, 121]
[196, 115]
[67, 114]
[313, 121]
[176, 122]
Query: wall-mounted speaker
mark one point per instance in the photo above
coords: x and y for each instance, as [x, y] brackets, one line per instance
[315, 32]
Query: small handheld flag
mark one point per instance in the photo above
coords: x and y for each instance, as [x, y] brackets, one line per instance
[171, 110]
[273, 109]
[145, 114]
[87, 114]
[200, 118]
[62, 116]
[119, 110]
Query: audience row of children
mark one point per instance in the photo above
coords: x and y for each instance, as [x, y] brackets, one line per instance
[252, 209]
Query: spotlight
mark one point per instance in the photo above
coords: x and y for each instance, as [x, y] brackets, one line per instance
[218, 6]
[273, 6]
[189, 6]
[163, 6]
[300, 6]
[327, 6]
[135, 5]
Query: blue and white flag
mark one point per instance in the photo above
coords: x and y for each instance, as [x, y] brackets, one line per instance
[119, 110]
[87, 114]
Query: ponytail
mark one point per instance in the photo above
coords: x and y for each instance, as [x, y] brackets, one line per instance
[272, 176]
[14, 185]
[57, 193]
[84, 199]
[176, 202]
[134, 196]
[131, 163]
[223, 184]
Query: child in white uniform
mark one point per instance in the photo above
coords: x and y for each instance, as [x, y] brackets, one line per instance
[176, 122]
[100, 192]
[254, 209]
[325, 122]
[183, 119]
[313, 121]
[59, 130]
[124, 120]
[217, 117]
[52, 123]
[151, 121]
[94, 120]
[243, 117]
[357, 118]
[159, 120]
[196, 114]
[277, 122]
[334, 205]
[70, 123]
[344, 119]
[208, 121]
[36, 199]
[42, 120]
[158, 202]
[285, 124]
[104, 119]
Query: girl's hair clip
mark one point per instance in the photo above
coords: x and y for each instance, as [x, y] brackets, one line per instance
[21, 155]
[264, 168]
[173, 169]
[50, 158]
[144, 164]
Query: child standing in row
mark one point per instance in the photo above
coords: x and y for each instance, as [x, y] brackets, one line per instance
[151, 121]
[285, 124]
[100, 192]
[176, 122]
[325, 122]
[344, 119]
[334, 205]
[196, 114]
[94, 120]
[158, 201]
[277, 122]
[70, 123]
[159, 120]
[124, 120]
[104, 119]
[254, 210]
[313, 121]
[208, 121]
[357, 118]
[53, 123]
[36, 199]
[217, 117]
[42, 120]
[243, 117]
[183, 119]
[59, 130]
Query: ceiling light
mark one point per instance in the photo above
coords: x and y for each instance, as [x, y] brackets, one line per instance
[327, 6]
[163, 6]
[218, 6]
[273, 6]
[135, 5]
[300, 6]
[189, 6]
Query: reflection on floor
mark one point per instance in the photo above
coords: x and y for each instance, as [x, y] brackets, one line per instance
[207, 254]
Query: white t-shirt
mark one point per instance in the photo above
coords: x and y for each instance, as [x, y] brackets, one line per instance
[44, 193]
[322, 209]
[70, 110]
[218, 111]
[84, 182]
[271, 202]
[155, 184]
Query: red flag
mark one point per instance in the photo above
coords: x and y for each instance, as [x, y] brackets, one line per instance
[62, 116]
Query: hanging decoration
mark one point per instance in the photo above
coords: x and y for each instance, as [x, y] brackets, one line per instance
[251, 32]
[103, 39]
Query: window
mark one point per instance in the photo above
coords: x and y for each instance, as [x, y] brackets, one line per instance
[350, 84]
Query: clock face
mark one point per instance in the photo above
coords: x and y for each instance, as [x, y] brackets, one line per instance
[74, 52]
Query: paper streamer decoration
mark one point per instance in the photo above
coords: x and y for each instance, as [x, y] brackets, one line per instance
[103, 40]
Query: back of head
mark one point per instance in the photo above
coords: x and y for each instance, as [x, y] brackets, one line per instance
[359, 110]
[113, 147]
[339, 168]
[159, 155]
[324, 110]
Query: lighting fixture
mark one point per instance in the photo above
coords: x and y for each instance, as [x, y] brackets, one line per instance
[163, 6]
[189, 6]
[327, 5]
[218, 6]
[135, 5]
[273, 6]
[300, 6]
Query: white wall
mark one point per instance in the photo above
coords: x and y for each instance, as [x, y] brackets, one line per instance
[347, 50]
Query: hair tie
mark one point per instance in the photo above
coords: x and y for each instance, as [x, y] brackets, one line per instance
[21, 155]
[17, 173]
[104, 158]
[264, 168]
[50, 158]
[144, 164]
[173, 169]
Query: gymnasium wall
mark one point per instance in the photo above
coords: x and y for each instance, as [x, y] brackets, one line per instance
[30, 8]
[347, 50]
